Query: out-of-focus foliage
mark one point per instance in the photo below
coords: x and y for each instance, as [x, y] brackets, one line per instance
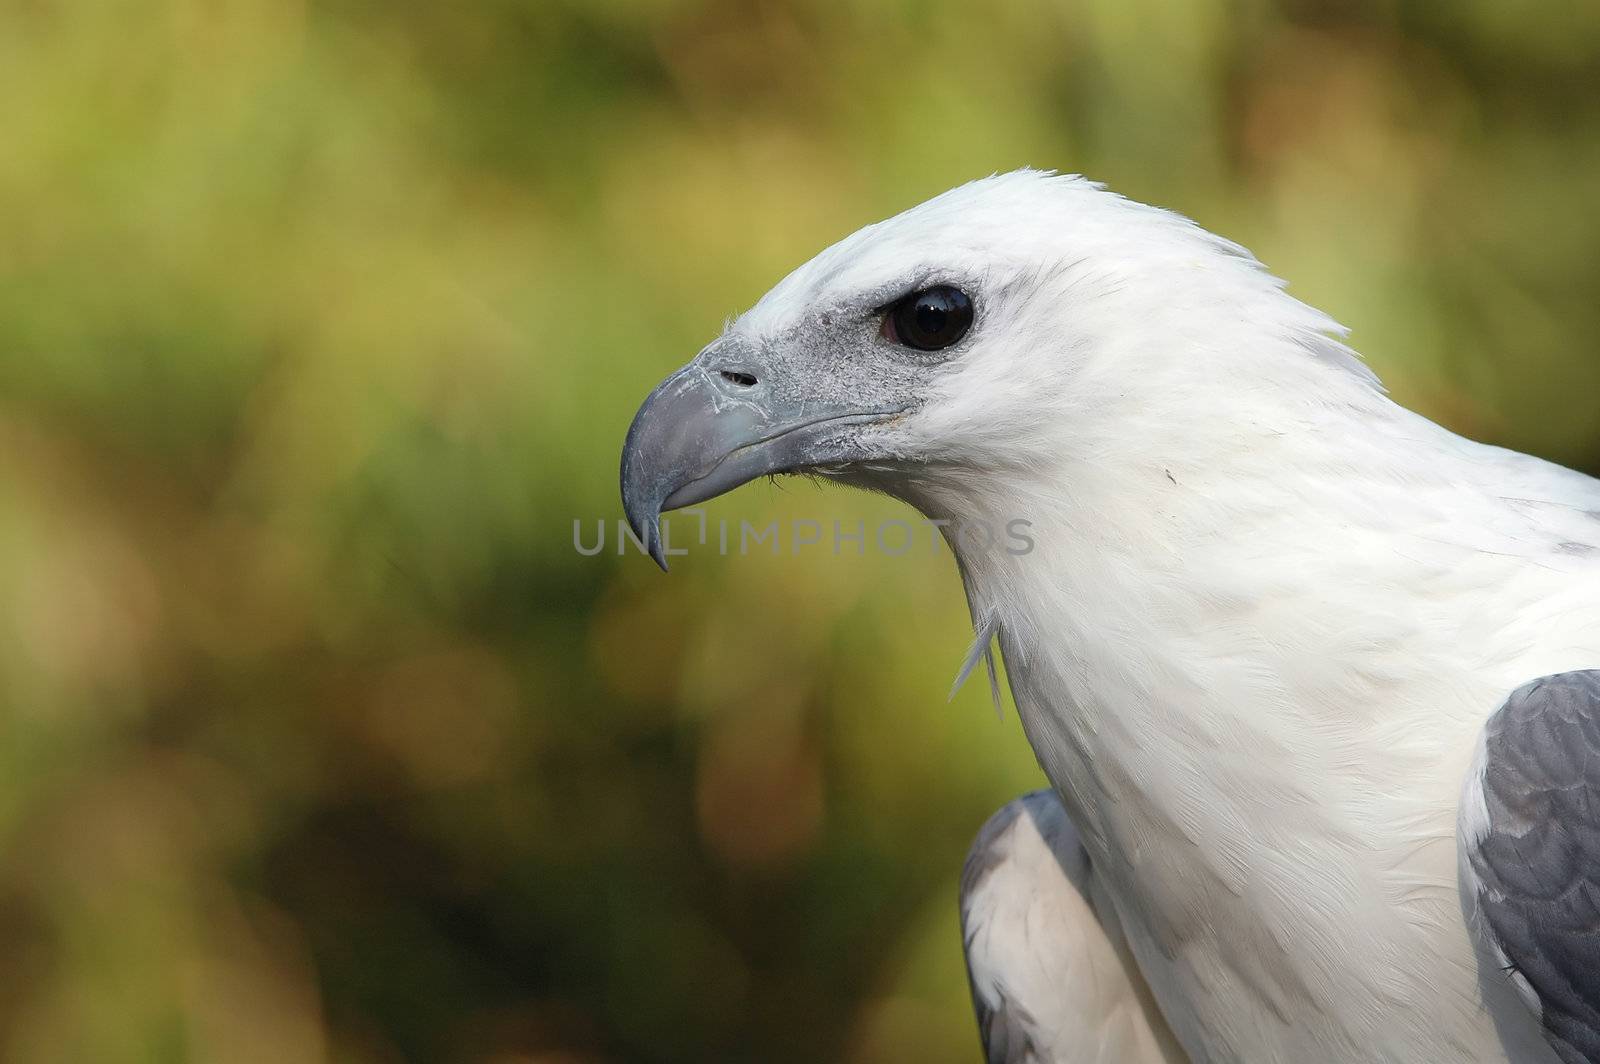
[320, 323]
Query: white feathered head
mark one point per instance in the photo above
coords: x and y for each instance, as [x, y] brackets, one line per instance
[1008, 326]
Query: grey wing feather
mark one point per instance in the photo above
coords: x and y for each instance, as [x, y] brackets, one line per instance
[1537, 861]
[1004, 1030]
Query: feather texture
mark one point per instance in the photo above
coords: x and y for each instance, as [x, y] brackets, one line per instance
[1267, 613]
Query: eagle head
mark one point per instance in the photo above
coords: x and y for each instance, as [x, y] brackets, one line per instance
[1007, 326]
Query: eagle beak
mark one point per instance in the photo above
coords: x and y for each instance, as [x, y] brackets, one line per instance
[718, 423]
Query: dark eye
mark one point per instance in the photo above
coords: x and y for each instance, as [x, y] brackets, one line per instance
[929, 320]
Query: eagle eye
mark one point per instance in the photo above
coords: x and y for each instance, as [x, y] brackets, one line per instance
[930, 319]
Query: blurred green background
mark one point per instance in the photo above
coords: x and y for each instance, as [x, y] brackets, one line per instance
[321, 322]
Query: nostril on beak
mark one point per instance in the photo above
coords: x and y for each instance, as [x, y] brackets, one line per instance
[743, 380]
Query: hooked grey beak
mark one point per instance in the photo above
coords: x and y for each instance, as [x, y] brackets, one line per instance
[710, 427]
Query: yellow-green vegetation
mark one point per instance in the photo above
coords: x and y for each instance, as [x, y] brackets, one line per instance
[320, 323]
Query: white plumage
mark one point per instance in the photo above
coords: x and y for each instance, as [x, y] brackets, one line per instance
[1268, 613]
[1051, 980]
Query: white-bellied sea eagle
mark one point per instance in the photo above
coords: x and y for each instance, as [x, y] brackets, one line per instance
[1312, 678]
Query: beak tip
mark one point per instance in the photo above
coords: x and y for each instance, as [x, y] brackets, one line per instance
[649, 532]
[646, 525]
